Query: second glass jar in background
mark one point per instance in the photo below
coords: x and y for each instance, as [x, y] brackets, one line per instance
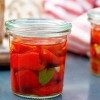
[94, 18]
[37, 56]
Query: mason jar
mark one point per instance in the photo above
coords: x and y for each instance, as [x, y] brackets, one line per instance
[37, 56]
[94, 18]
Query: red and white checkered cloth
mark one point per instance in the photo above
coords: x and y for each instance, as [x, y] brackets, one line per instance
[75, 12]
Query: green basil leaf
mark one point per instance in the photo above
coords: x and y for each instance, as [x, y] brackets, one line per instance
[46, 75]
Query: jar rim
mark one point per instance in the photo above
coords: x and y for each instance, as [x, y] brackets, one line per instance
[94, 15]
[37, 27]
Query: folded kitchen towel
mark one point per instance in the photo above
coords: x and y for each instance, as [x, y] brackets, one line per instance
[68, 9]
[79, 39]
[73, 11]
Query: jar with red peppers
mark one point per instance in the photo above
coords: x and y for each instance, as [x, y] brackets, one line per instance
[94, 18]
[37, 56]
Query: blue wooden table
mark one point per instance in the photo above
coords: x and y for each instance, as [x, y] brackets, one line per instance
[79, 84]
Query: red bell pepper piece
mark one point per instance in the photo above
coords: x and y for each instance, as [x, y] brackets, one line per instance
[27, 81]
[49, 90]
[29, 60]
[49, 58]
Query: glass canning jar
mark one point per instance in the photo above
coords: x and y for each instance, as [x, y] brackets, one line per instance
[37, 56]
[94, 18]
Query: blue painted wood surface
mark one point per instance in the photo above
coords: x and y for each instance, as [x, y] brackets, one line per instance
[79, 84]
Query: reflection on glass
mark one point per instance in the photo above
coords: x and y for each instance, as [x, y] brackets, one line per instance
[56, 98]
